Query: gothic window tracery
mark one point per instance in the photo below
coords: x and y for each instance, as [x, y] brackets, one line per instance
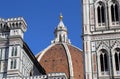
[103, 60]
[101, 13]
[114, 11]
[117, 59]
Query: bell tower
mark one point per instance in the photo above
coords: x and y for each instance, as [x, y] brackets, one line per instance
[101, 38]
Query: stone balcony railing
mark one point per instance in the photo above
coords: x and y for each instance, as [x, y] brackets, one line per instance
[32, 77]
[49, 76]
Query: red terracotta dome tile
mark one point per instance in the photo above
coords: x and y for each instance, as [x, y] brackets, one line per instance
[55, 59]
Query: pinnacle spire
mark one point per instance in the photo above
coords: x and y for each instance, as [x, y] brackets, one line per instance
[61, 17]
[61, 33]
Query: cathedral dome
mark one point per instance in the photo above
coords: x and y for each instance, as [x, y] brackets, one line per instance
[62, 57]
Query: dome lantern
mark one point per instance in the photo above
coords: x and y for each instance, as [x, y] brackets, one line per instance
[61, 33]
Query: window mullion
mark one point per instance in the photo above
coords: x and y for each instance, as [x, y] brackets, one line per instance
[100, 15]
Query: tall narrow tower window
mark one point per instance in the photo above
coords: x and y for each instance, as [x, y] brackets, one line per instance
[104, 60]
[117, 59]
[101, 13]
[98, 11]
[13, 64]
[114, 12]
[14, 51]
[60, 37]
[101, 62]
[0, 53]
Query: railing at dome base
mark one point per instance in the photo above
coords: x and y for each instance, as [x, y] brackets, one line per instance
[49, 76]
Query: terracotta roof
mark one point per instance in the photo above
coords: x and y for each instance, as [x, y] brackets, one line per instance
[64, 58]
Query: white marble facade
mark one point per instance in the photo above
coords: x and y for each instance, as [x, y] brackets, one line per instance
[101, 39]
[16, 59]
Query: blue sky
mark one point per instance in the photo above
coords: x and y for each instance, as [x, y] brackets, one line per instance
[42, 16]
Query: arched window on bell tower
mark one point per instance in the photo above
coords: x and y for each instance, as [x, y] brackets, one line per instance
[103, 62]
[117, 59]
[113, 12]
[100, 15]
